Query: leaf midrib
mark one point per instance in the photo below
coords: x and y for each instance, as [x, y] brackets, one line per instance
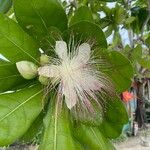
[55, 131]
[38, 14]
[17, 75]
[20, 105]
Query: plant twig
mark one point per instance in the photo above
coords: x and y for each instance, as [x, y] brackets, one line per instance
[147, 19]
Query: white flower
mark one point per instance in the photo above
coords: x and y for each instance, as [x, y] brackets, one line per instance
[74, 71]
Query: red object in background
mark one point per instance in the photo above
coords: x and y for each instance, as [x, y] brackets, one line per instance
[127, 96]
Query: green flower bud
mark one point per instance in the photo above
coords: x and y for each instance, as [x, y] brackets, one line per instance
[44, 59]
[27, 69]
[44, 80]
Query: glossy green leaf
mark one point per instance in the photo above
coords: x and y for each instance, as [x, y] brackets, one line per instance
[86, 117]
[15, 44]
[133, 54]
[82, 14]
[17, 112]
[5, 5]
[87, 31]
[115, 116]
[57, 130]
[34, 130]
[36, 16]
[9, 76]
[120, 71]
[92, 138]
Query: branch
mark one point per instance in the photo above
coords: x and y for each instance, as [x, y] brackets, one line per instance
[147, 19]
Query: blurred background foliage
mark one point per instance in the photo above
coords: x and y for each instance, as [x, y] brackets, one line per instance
[126, 24]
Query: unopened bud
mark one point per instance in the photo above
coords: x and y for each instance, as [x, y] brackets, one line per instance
[44, 80]
[27, 69]
[44, 59]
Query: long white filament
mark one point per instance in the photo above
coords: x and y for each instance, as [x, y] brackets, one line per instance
[77, 78]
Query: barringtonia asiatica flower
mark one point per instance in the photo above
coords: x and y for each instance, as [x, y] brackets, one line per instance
[76, 75]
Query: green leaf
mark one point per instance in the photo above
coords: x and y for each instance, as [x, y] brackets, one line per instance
[104, 22]
[17, 112]
[120, 71]
[34, 130]
[115, 116]
[137, 53]
[36, 16]
[57, 129]
[92, 138]
[109, 31]
[85, 31]
[147, 41]
[145, 62]
[88, 118]
[119, 14]
[133, 54]
[9, 76]
[5, 5]
[82, 14]
[130, 20]
[15, 44]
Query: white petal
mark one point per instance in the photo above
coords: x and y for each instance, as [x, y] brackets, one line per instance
[61, 49]
[70, 103]
[70, 95]
[49, 71]
[84, 52]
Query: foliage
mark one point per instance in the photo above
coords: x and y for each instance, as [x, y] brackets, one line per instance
[33, 31]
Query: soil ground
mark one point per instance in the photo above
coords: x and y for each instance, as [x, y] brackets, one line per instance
[136, 142]
[132, 143]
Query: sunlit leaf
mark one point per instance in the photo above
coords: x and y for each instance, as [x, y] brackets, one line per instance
[92, 138]
[82, 14]
[36, 16]
[87, 31]
[115, 116]
[34, 130]
[57, 130]
[18, 111]
[120, 71]
[15, 44]
[9, 76]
